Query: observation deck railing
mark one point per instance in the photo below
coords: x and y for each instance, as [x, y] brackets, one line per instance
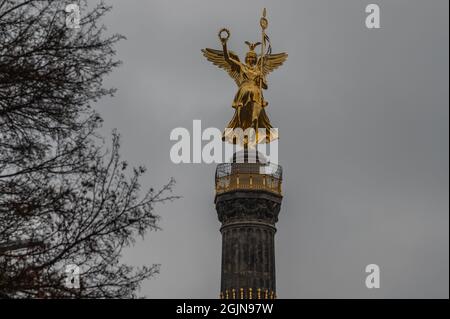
[248, 176]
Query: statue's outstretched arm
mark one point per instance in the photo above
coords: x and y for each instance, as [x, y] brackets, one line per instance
[232, 62]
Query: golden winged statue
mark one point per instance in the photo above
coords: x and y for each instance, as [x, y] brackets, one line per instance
[250, 77]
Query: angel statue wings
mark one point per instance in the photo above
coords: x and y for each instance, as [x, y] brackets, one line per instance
[250, 77]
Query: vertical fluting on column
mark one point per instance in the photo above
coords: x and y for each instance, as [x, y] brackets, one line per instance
[248, 229]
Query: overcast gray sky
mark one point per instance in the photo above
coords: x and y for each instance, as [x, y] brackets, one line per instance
[364, 121]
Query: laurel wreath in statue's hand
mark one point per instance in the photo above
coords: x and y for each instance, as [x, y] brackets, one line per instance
[224, 37]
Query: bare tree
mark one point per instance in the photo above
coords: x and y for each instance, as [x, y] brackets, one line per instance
[63, 198]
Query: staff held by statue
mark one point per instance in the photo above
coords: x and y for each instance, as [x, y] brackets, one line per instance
[264, 23]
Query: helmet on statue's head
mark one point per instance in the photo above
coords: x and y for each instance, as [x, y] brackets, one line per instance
[251, 56]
